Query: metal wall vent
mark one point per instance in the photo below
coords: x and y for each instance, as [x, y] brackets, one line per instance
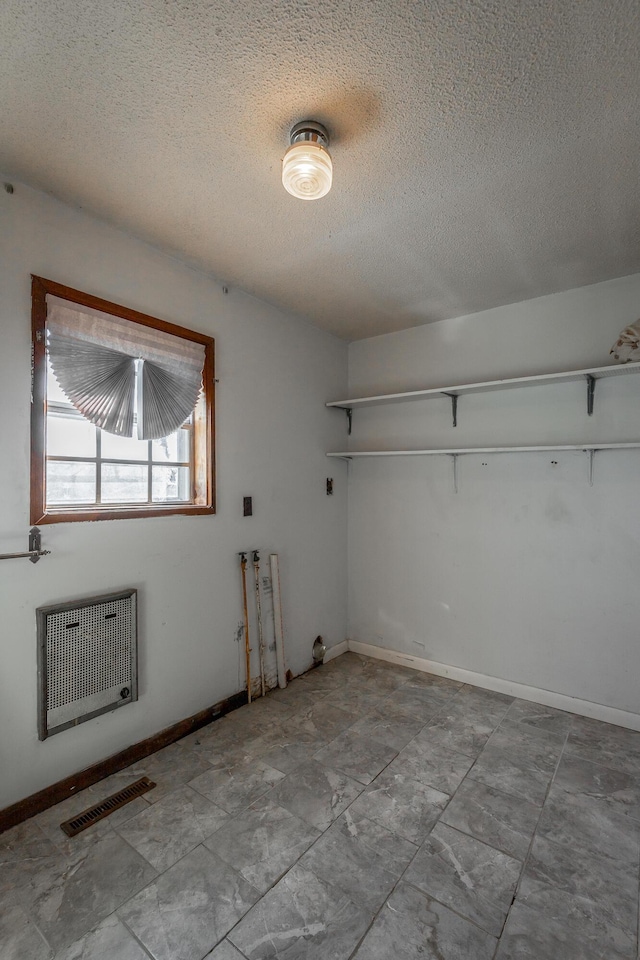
[87, 656]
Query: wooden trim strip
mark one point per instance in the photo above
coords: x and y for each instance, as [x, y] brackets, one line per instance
[71, 785]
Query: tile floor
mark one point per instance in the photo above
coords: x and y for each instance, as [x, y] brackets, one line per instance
[367, 811]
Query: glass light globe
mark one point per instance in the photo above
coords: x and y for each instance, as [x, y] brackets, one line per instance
[307, 170]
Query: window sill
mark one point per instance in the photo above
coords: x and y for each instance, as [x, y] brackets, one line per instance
[121, 512]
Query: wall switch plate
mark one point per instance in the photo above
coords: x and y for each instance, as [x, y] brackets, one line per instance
[329, 486]
[247, 506]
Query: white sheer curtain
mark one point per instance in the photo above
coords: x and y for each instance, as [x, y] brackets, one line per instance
[93, 356]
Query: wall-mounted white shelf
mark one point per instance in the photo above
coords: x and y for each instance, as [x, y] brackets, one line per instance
[455, 453]
[460, 451]
[589, 375]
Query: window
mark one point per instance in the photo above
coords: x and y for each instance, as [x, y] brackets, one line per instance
[122, 411]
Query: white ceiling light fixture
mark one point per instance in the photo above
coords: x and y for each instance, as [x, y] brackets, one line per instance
[307, 169]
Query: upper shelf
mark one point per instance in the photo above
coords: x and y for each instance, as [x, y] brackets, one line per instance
[457, 451]
[592, 373]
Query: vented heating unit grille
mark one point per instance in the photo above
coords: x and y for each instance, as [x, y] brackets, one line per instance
[86, 659]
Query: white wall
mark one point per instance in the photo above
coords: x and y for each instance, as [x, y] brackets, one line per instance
[275, 373]
[528, 573]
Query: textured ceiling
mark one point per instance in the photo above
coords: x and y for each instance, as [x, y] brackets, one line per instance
[485, 151]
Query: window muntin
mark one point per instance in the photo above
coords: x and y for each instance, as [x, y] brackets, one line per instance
[82, 472]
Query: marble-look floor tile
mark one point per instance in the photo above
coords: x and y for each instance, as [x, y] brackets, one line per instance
[225, 951]
[189, 908]
[224, 750]
[323, 722]
[472, 878]
[301, 917]
[481, 697]
[464, 728]
[418, 681]
[262, 842]
[298, 696]
[236, 787]
[169, 768]
[404, 806]
[604, 743]
[583, 823]
[20, 939]
[412, 926]
[613, 886]
[109, 941]
[361, 857]
[409, 708]
[423, 701]
[24, 850]
[527, 735]
[574, 918]
[381, 684]
[393, 732]
[362, 669]
[287, 754]
[431, 763]
[166, 831]
[49, 820]
[360, 757]
[82, 888]
[518, 763]
[218, 731]
[532, 935]
[362, 698]
[616, 789]
[266, 709]
[26, 841]
[538, 717]
[316, 793]
[502, 821]
[323, 680]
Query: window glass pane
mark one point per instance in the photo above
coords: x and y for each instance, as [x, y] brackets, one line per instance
[70, 437]
[173, 448]
[124, 483]
[171, 483]
[124, 448]
[71, 482]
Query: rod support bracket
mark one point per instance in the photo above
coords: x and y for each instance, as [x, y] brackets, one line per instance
[35, 544]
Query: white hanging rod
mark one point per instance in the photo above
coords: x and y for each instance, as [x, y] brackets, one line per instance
[352, 454]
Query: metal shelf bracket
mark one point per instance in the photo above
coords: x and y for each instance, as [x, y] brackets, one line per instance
[454, 406]
[454, 459]
[349, 413]
[591, 387]
[592, 454]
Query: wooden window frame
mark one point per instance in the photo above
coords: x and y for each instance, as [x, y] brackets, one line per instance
[203, 480]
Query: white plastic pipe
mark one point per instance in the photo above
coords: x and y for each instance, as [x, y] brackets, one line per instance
[277, 619]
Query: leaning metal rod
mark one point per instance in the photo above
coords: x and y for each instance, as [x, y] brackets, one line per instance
[34, 555]
[256, 569]
[247, 647]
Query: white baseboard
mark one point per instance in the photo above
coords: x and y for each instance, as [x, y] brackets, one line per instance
[336, 650]
[585, 708]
